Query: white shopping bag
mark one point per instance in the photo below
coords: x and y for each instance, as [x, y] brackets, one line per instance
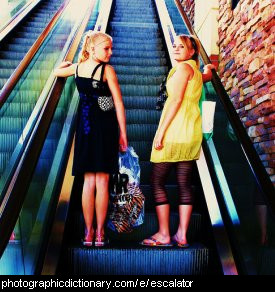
[208, 111]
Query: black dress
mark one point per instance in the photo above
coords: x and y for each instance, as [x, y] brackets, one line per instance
[97, 133]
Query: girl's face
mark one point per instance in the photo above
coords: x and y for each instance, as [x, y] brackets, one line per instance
[181, 51]
[102, 50]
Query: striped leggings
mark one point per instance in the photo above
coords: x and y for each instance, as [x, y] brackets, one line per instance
[183, 172]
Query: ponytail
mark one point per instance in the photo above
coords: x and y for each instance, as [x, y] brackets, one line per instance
[90, 38]
[84, 53]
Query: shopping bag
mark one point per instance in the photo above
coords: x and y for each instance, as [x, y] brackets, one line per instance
[207, 109]
[126, 210]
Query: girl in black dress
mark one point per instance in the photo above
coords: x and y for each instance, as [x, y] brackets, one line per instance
[100, 130]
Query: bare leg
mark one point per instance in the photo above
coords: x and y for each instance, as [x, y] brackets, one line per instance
[102, 199]
[185, 212]
[88, 203]
[163, 234]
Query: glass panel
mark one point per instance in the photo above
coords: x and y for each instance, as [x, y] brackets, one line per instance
[19, 111]
[253, 227]
[40, 197]
[34, 216]
[11, 262]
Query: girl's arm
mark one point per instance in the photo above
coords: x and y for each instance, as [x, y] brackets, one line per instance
[207, 73]
[120, 111]
[180, 80]
[65, 69]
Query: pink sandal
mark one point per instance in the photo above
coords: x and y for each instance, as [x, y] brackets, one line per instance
[100, 240]
[86, 242]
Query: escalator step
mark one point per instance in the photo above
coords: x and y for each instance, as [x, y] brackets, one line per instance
[121, 40]
[138, 62]
[143, 90]
[139, 80]
[139, 102]
[140, 70]
[143, 116]
[133, 259]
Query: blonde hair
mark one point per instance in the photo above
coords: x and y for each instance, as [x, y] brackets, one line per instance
[90, 38]
[192, 43]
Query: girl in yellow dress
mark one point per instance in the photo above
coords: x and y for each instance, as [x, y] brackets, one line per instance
[178, 139]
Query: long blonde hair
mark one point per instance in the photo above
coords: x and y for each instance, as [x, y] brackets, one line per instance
[90, 38]
[192, 43]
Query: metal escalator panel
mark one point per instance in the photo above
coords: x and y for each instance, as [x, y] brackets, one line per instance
[251, 223]
[28, 238]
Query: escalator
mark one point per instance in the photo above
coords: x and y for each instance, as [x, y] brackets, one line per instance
[135, 29]
[141, 61]
[14, 47]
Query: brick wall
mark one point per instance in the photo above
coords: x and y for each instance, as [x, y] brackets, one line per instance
[189, 8]
[247, 70]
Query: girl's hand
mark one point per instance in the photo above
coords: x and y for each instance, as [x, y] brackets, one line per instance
[209, 67]
[65, 64]
[123, 143]
[207, 73]
[158, 141]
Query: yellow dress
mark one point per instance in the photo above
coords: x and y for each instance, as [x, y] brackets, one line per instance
[182, 140]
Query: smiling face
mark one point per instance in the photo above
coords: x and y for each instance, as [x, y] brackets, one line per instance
[181, 50]
[102, 49]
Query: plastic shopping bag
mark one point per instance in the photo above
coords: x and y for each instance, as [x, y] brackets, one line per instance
[207, 109]
[126, 199]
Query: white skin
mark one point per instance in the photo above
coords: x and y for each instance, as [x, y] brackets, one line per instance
[100, 51]
[180, 78]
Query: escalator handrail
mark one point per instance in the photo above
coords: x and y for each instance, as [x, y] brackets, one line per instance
[14, 21]
[16, 192]
[252, 156]
[18, 72]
